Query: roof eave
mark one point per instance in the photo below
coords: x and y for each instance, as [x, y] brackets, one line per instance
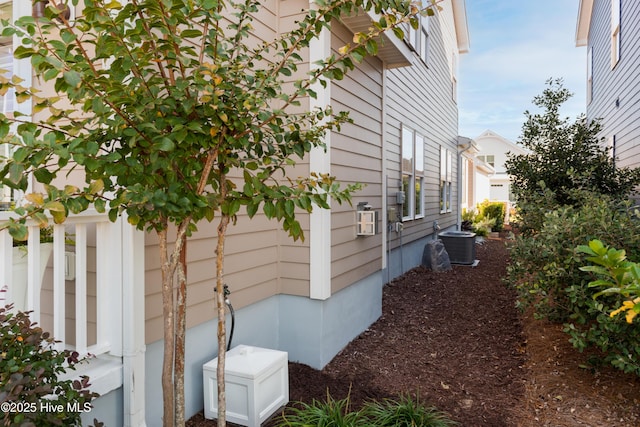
[462, 27]
[584, 22]
[391, 50]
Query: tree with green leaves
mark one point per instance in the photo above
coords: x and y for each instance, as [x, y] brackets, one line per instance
[565, 157]
[177, 115]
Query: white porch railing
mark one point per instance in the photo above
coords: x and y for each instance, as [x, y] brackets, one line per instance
[84, 313]
[95, 307]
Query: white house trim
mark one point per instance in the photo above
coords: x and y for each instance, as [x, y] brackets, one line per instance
[584, 22]
[133, 340]
[320, 161]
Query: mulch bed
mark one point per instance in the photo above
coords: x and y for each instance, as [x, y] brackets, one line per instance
[456, 341]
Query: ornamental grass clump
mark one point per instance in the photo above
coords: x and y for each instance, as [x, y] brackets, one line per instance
[402, 412]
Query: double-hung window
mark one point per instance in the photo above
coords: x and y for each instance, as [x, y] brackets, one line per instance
[412, 174]
[615, 32]
[424, 37]
[490, 159]
[418, 38]
[446, 173]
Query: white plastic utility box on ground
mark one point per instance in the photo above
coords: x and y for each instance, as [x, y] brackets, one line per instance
[257, 384]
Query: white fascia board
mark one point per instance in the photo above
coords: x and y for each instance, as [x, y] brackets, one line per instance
[461, 24]
[584, 22]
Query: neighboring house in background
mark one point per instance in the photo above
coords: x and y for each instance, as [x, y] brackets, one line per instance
[610, 30]
[307, 298]
[475, 175]
[494, 150]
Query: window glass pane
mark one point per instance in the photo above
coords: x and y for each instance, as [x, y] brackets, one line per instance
[424, 43]
[406, 182]
[407, 150]
[419, 154]
[419, 198]
[449, 169]
[443, 164]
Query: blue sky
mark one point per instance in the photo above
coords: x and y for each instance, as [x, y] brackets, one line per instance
[516, 45]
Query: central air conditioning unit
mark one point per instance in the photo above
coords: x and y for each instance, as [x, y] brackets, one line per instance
[460, 245]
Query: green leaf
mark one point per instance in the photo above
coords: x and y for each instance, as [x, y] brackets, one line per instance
[191, 33]
[43, 175]
[54, 206]
[4, 129]
[72, 78]
[252, 209]
[96, 186]
[269, 209]
[59, 217]
[16, 172]
[19, 232]
[100, 205]
[165, 144]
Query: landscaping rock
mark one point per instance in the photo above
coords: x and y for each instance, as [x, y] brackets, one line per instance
[435, 256]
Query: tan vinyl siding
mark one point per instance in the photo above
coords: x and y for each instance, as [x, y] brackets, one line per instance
[251, 270]
[356, 157]
[420, 97]
[261, 260]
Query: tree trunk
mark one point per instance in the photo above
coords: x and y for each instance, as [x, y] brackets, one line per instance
[169, 334]
[181, 322]
[222, 341]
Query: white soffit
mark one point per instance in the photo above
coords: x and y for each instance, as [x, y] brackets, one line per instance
[584, 22]
[462, 27]
[391, 50]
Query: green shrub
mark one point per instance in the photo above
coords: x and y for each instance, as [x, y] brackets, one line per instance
[483, 225]
[546, 271]
[495, 211]
[617, 280]
[29, 370]
[564, 154]
[404, 412]
[473, 221]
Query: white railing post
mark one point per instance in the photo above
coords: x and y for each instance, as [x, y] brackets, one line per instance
[109, 286]
[59, 288]
[33, 273]
[133, 327]
[81, 288]
[6, 269]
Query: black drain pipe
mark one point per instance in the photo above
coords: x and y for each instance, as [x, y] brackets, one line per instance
[227, 292]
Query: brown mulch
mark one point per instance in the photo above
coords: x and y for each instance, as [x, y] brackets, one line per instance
[456, 341]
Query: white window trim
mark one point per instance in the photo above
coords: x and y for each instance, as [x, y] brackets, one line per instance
[615, 32]
[411, 196]
[418, 39]
[424, 38]
[446, 177]
[589, 75]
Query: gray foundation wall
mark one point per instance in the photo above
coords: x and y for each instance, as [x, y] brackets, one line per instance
[311, 331]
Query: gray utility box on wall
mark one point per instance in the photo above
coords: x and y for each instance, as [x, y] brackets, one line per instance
[460, 245]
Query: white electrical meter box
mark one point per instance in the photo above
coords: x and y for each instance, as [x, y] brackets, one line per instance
[256, 381]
